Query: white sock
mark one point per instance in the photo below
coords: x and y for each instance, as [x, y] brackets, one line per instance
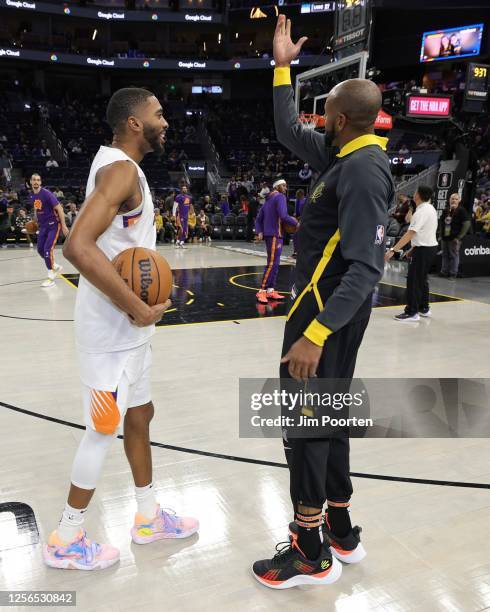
[70, 524]
[270, 290]
[146, 500]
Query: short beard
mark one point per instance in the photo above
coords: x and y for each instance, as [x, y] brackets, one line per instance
[152, 137]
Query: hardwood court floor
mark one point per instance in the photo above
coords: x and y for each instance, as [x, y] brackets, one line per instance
[428, 546]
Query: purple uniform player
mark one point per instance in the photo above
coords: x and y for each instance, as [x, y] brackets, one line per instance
[268, 225]
[51, 220]
[184, 202]
[298, 209]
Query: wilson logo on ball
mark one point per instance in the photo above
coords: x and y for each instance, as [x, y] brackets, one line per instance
[146, 280]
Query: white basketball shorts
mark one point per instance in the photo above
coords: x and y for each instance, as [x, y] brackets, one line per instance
[113, 383]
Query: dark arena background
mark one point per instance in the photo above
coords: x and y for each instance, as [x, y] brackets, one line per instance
[422, 498]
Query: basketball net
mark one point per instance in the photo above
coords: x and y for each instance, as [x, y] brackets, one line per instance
[311, 121]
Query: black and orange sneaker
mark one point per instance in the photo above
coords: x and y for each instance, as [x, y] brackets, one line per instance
[289, 567]
[347, 549]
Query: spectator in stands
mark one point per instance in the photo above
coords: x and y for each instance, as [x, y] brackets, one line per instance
[7, 224]
[202, 202]
[159, 225]
[305, 173]
[20, 226]
[232, 190]
[485, 220]
[58, 193]
[76, 148]
[4, 222]
[51, 163]
[71, 214]
[455, 223]
[3, 138]
[399, 213]
[203, 228]
[404, 150]
[264, 190]
[169, 201]
[192, 221]
[170, 226]
[248, 182]
[224, 205]
[173, 160]
[244, 200]
[45, 152]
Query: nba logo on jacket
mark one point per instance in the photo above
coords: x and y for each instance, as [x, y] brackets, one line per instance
[380, 234]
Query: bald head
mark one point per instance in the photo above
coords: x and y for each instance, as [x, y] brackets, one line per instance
[359, 100]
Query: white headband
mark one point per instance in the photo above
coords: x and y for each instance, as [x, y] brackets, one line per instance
[279, 182]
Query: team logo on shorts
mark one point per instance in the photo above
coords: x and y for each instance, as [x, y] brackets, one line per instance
[380, 234]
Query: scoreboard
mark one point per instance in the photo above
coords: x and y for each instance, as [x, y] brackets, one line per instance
[351, 23]
[477, 81]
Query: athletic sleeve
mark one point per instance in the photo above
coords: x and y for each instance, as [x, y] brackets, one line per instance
[363, 215]
[308, 145]
[282, 211]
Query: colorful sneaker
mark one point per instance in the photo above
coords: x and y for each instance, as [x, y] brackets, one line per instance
[81, 554]
[347, 549]
[261, 296]
[289, 567]
[164, 526]
[275, 295]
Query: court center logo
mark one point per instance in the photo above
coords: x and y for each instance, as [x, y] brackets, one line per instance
[317, 192]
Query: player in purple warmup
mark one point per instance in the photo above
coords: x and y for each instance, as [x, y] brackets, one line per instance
[269, 225]
[50, 218]
[184, 201]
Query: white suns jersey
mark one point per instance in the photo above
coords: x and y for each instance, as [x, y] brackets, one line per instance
[100, 327]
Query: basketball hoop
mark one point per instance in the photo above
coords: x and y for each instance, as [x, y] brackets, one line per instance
[311, 121]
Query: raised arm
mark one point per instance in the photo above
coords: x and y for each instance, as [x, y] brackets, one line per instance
[308, 145]
[116, 184]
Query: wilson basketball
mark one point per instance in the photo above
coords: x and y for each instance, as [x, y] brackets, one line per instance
[290, 229]
[146, 273]
[31, 227]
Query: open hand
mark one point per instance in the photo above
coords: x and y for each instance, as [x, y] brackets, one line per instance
[285, 51]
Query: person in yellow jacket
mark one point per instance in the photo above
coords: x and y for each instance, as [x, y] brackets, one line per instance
[159, 225]
[192, 224]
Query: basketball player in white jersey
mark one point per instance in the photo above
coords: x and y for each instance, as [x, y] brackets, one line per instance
[113, 331]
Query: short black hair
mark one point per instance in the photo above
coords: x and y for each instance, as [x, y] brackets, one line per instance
[123, 104]
[425, 192]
